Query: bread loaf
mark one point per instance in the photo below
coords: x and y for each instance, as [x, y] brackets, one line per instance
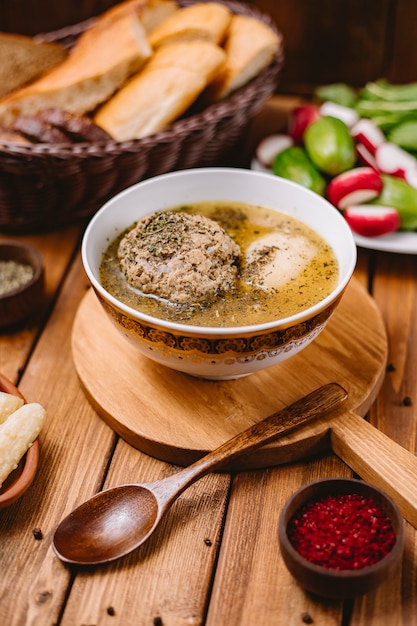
[102, 60]
[76, 127]
[37, 131]
[24, 59]
[202, 57]
[204, 20]
[150, 12]
[171, 81]
[138, 68]
[250, 47]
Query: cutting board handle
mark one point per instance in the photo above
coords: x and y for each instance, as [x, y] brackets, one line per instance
[378, 459]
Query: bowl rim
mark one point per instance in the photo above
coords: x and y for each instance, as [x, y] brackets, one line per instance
[214, 330]
[35, 261]
[351, 574]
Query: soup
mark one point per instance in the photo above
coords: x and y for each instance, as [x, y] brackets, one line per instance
[271, 265]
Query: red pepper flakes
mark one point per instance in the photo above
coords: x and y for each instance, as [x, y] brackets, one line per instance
[342, 532]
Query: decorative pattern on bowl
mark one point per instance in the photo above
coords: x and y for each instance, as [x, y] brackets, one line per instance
[235, 351]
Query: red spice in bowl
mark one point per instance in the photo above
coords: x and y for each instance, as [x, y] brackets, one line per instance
[340, 537]
[342, 531]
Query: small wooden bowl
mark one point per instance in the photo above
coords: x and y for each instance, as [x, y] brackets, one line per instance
[21, 478]
[333, 583]
[18, 305]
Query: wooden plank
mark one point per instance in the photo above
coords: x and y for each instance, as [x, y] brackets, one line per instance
[252, 584]
[56, 252]
[395, 292]
[75, 446]
[331, 42]
[167, 580]
[401, 61]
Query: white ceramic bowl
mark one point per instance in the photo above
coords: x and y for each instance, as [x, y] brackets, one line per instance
[211, 352]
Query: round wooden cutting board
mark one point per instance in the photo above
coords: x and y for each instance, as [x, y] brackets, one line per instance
[178, 418]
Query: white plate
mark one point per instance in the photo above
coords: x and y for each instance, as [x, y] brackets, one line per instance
[401, 243]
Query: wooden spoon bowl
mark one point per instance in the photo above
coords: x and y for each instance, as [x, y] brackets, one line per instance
[19, 481]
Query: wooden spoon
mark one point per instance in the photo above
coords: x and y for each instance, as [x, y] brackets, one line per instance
[116, 521]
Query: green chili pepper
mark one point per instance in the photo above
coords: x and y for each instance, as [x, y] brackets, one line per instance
[294, 164]
[383, 90]
[372, 108]
[404, 135]
[329, 145]
[400, 195]
[340, 93]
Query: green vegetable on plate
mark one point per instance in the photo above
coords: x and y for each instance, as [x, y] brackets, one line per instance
[398, 194]
[404, 135]
[340, 93]
[294, 164]
[330, 146]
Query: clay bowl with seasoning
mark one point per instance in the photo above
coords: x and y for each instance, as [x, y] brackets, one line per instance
[341, 537]
[21, 283]
[220, 349]
[20, 479]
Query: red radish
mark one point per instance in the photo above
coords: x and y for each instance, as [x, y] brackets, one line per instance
[411, 176]
[301, 117]
[371, 220]
[391, 159]
[368, 134]
[365, 156]
[354, 187]
[346, 114]
[270, 146]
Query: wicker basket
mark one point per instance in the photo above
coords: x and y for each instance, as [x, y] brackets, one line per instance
[47, 186]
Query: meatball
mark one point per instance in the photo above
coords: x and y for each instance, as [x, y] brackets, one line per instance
[183, 258]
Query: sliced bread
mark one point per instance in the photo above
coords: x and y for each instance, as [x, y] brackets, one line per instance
[204, 20]
[250, 47]
[102, 60]
[24, 59]
[171, 81]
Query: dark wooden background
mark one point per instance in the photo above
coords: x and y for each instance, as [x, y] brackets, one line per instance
[326, 40]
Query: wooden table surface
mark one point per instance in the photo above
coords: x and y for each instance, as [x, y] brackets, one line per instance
[215, 559]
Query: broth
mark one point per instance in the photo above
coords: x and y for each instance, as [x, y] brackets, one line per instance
[286, 267]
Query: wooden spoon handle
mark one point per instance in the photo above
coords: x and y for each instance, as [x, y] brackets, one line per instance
[378, 459]
[318, 403]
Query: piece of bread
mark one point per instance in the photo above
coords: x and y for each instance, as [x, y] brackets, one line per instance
[105, 56]
[171, 81]
[150, 12]
[38, 131]
[8, 136]
[23, 59]
[197, 55]
[77, 127]
[208, 20]
[250, 47]
[155, 12]
[121, 9]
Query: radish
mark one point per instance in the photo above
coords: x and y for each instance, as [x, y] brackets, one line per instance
[301, 117]
[391, 159]
[346, 114]
[411, 177]
[368, 134]
[354, 187]
[270, 146]
[371, 220]
[365, 156]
